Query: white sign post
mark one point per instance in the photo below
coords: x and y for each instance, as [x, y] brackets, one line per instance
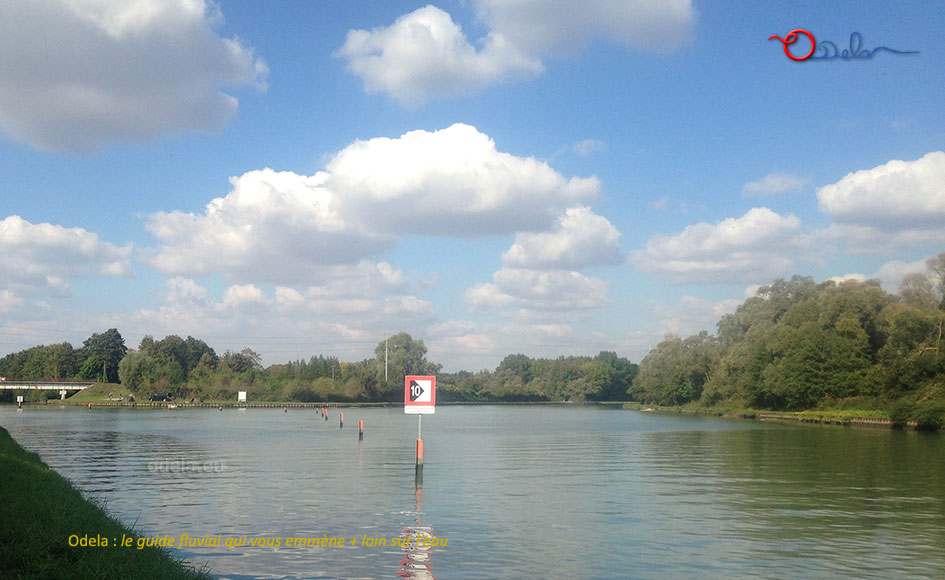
[241, 397]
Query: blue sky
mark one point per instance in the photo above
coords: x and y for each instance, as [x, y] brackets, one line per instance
[491, 176]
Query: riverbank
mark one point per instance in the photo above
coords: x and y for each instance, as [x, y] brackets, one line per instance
[103, 395]
[50, 531]
[856, 418]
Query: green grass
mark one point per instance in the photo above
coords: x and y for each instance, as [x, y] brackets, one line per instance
[97, 393]
[40, 510]
[813, 415]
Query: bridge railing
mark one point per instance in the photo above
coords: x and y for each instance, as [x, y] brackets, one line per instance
[65, 385]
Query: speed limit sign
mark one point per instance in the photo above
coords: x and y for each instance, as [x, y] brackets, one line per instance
[419, 395]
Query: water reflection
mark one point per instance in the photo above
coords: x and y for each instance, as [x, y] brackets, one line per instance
[417, 545]
[523, 492]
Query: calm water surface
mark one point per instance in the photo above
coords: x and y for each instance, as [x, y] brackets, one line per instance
[517, 492]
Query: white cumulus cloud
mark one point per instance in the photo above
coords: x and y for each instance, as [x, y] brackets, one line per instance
[284, 322]
[580, 238]
[451, 182]
[761, 244]
[898, 203]
[273, 225]
[531, 290]
[285, 227]
[44, 256]
[425, 54]
[75, 74]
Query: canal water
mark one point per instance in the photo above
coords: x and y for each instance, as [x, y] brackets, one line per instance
[512, 492]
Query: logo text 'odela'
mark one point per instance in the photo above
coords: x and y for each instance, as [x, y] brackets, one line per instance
[827, 50]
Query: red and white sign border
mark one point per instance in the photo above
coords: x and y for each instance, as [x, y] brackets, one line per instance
[415, 407]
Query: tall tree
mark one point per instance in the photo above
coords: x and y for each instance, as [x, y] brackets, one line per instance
[918, 290]
[242, 361]
[404, 356]
[108, 348]
[676, 370]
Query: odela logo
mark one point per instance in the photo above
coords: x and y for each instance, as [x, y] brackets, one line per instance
[827, 50]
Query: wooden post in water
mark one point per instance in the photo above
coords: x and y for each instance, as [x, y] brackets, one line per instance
[360, 429]
[341, 421]
[418, 470]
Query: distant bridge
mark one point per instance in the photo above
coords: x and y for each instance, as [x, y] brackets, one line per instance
[46, 385]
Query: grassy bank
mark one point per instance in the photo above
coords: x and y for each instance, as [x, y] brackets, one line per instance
[861, 417]
[41, 510]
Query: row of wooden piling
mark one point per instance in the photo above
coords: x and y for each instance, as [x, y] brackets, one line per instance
[418, 471]
[341, 421]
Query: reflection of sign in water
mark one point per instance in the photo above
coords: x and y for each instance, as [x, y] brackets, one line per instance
[417, 547]
[419, 395]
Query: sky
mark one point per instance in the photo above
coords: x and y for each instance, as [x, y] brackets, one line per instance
[544, 177]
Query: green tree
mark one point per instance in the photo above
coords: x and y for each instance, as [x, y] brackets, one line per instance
[621, 376]
[914, 353]
[918, 290]
[404, 356]
[597, 376]
[518, 364]
[676, 371]
[241, 362]
[107, 348]
[137, 371]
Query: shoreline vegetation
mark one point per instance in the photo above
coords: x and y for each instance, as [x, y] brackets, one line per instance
[835, 350]
[860, 418]
[42, 511]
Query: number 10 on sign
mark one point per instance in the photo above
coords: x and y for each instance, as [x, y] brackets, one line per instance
[419, 395]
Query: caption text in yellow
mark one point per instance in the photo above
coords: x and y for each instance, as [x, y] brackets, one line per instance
[231, 542]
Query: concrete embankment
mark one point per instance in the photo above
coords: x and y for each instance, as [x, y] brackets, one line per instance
[818, 418]
[828, 420]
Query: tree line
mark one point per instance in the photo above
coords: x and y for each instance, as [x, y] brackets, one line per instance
[798, 345]
[97, 359]
[794, 345]
[190, 368]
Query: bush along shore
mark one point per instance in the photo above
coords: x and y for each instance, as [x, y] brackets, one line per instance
[50, 531]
